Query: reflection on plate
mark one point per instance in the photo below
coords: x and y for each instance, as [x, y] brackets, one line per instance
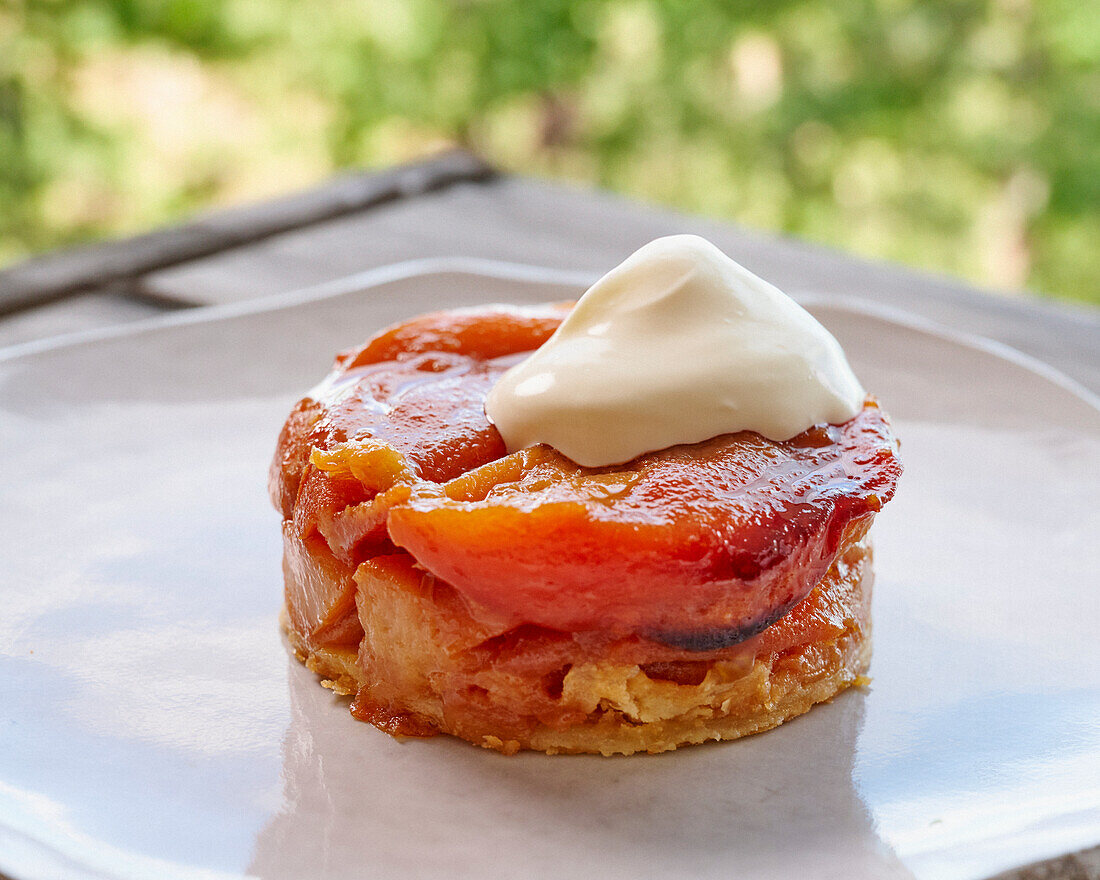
[153, 724]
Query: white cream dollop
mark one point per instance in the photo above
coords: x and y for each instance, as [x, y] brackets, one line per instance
[677, 344]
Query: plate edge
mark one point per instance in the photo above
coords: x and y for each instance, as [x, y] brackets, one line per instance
[529, 273]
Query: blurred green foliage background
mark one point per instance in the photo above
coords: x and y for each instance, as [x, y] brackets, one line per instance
[957, 135]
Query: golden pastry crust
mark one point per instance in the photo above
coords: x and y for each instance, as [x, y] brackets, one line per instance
[412, 679]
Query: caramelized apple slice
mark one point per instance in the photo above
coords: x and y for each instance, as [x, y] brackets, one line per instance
[418, 387]
[405, 410]
[485, 333]
[699, 546]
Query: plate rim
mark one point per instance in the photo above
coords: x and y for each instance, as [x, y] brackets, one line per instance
[502, 270]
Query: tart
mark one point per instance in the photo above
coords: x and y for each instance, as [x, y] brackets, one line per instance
[522, 601]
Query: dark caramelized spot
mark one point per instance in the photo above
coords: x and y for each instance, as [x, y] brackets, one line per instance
[554, 682]
[687, 672]
[717, 638]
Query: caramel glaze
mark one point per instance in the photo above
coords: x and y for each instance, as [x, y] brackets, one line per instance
[696, 547]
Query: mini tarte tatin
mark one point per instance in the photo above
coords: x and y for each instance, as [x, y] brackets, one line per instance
[521, 601]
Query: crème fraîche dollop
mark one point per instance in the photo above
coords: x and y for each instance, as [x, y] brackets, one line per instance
[677, 344]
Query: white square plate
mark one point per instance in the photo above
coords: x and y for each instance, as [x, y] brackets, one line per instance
[152, 723]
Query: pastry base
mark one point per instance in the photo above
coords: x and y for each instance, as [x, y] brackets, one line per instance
[609, 707]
